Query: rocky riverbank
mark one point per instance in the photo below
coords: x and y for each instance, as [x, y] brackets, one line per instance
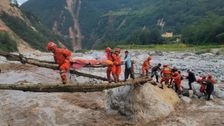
[123, 106]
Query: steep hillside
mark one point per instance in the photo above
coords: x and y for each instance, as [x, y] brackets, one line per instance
[59, 15]
[23, 31]
[103, 22]
[9, 41]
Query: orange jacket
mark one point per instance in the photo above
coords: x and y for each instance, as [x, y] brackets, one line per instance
[203, 86]
[117, 60]
[111, 56]
[177, 79]
[61, 56]
[146, 64]
[118, 64]
[166, 70]
[212, 81]
[116, 68]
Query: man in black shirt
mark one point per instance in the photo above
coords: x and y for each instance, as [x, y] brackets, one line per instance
[155, 71]
[191, 78]
[209, 88]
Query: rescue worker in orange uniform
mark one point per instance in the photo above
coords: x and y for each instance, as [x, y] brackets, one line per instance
[177, 81]
[117, 64]
[210, 78]
[202, 82]
[173, 70]
[110, 56]
[146, 66]
[62, 57]
[207, 85]
[165, 74]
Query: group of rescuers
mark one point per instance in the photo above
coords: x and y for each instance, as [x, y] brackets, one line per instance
[169, 76]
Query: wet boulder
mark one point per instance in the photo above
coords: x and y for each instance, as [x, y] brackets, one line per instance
[143, 103]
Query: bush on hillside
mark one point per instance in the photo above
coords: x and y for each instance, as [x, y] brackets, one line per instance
[7, 43]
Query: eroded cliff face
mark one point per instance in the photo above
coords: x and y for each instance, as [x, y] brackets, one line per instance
[77, 38]
[73, 29]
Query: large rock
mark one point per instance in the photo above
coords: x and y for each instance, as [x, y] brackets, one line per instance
[142, 103]
[3, 60]
[186, 99]
[217, 51]
[218, 92]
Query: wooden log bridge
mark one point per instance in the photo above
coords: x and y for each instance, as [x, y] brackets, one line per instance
[71, 87]
[45, 64]
[20, 57]
[60, 87]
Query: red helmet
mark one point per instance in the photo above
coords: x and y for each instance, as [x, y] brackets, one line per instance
[117, 50]
[209, 76]
[108, 49]
[51, 45]
[149, 58]
[203, 77]
[165, 65]
[176, 74]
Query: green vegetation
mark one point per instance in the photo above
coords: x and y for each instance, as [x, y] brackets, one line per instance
[82, 51]
[35, 34]
[112, 22]
[145, 36]
[174, 47]
[124, 19]
[49, 12]
[35, 39]
[46, 32]
[7, 43]
[206, 30]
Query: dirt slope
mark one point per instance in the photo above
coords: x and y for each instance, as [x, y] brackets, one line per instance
[23, 46]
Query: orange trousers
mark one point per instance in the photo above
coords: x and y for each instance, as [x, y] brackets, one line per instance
[165, 78]
[118, 72]
[115, 71]
[203, 88]
[145, 71]
[109, 72]
[63, 71]
[178, 88]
